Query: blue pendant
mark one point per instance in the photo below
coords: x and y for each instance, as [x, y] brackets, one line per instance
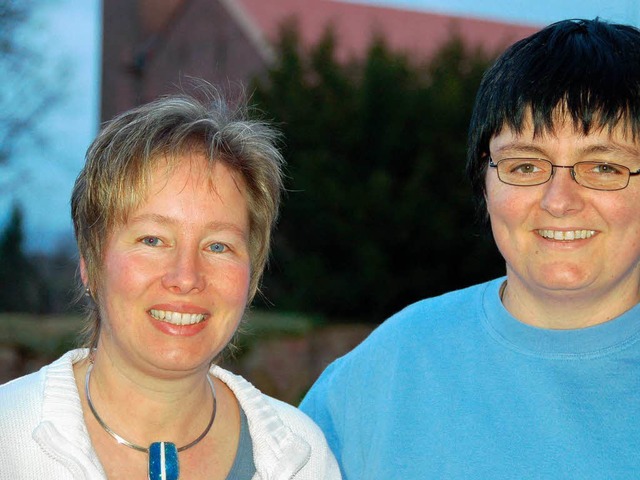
[163, 461]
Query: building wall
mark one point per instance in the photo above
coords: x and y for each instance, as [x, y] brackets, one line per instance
[151, 48]
[419, 34]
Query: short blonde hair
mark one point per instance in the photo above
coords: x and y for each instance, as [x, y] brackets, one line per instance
[120, 160]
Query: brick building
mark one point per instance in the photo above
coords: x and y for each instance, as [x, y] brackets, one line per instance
[150, 45]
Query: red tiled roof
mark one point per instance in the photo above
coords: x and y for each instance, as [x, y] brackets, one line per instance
[418, 33]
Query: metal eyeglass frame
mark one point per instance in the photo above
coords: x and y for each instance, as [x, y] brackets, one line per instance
[630, 173]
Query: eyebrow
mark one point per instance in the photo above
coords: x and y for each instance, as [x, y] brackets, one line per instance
[170, 221]
[616, 149]
[520, 148]
[528, 148]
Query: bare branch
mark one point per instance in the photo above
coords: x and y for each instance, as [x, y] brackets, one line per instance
[26, 90]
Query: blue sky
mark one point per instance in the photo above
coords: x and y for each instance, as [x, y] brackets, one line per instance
[41, 177]
[527, 11]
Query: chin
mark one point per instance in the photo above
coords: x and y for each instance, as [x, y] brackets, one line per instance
[563, 279]
[180, 360]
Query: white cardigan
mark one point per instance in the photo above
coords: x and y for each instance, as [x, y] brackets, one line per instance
[43, 434]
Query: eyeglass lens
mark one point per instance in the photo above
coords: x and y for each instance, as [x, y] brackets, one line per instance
[536, 171]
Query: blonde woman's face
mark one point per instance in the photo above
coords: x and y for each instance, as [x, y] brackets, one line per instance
[175, 277]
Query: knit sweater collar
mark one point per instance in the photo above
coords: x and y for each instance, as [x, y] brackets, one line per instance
[64, 435]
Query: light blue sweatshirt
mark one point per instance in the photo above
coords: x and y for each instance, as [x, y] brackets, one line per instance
[455, 388]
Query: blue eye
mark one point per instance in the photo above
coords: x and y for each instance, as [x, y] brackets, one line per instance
[151, 241]
[217, 247]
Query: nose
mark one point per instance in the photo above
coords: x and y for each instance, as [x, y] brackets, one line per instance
[184, 273]
[562, 194]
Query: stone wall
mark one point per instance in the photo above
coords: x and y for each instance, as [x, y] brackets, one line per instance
[283, 366]
[286, 366]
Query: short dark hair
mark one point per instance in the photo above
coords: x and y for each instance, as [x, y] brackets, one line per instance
[588, 70]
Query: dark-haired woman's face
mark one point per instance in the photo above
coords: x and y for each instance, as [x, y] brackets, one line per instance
[561, 236]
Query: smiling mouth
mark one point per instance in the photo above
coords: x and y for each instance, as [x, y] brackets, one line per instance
[566, 235]
[177, 318]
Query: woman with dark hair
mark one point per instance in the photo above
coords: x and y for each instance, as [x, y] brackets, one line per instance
[536, 374]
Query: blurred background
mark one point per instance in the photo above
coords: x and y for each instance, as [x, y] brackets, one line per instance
[373, 98]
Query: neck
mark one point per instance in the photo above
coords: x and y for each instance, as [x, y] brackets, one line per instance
[143, 409]
[564, 309]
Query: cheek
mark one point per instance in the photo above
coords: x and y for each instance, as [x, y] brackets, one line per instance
[508, 203]
[126, 275]
[619, 212]
[235, 284]
[492, 195]
[497, 204]
[623, 213]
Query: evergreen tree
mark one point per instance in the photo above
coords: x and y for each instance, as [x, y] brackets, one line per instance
[21, 289]
[379, 213]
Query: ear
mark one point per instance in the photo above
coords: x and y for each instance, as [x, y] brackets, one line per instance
[83, 272]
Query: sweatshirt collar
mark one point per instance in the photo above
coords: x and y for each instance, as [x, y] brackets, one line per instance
[590, 342]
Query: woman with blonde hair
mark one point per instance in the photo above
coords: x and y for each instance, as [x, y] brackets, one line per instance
[173, 214]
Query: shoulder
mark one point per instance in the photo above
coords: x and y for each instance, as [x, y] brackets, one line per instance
[434, 309]
[429, 319]
[307, 442]
[21, 397]
[284, 438]
[21, 406]
[416, 337]
[21, 410]
[297, 421]
[262, 410]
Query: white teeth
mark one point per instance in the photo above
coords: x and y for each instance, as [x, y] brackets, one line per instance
[567, 235]
[177, 318]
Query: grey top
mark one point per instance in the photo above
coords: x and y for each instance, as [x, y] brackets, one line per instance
[243, 467]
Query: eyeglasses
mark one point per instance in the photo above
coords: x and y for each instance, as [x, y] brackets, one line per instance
[527, 172]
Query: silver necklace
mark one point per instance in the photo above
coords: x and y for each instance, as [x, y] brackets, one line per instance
[503, 287]
[163, 456]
